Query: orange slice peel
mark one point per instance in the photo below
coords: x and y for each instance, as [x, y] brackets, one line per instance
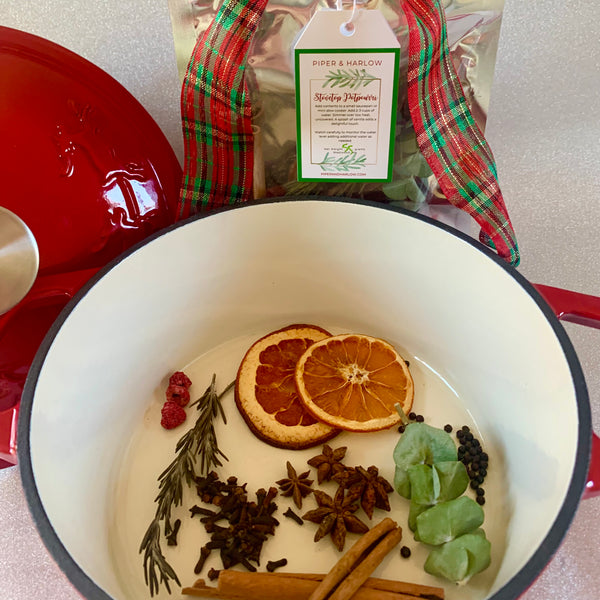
[266, 394]
[353, 381]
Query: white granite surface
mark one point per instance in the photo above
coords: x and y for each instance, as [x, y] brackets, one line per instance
[544, 128]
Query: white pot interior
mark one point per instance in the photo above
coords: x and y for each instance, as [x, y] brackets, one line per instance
[483, 351]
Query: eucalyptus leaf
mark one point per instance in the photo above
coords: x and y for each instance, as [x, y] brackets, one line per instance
[448, 520]
[402, 483]
[407, 141]
[423, 484]
[453, 479]
[424, 169]
[461, 558]
[441, 482]
[398, 189]
[414, 192]
[415, 510]
[420, 444]
[412, 165]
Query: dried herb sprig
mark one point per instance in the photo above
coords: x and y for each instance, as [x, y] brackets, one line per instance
[154, 560]
[200, 440]
[204, 430]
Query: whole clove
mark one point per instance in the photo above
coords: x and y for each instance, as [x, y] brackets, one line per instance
[290, 514]
[275, 564]
[213, 574]
[239, 527]
[204, 554]
[198, 510]
[172, 537]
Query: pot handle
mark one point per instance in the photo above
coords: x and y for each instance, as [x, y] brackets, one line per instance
[582, 309]
[58, 289]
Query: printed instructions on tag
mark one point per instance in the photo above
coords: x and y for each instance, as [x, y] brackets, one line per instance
[346, 111]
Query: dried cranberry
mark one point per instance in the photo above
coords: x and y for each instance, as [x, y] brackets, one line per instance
[173, 415]
[179, 394]
[180, 378]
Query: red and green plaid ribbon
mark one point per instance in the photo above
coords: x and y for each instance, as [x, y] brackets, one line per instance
[216, 113]
[447, 134]
[217, 120]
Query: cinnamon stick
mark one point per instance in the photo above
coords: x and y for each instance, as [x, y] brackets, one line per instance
[239, 585]
[258, 174]
[360, 573]
[349, 560]
[400, 587]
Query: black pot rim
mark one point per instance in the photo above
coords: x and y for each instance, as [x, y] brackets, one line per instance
[513, 588]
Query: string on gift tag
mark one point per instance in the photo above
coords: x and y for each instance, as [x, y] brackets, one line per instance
[347, 28]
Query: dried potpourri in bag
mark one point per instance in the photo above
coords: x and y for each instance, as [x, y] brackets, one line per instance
[471, 32]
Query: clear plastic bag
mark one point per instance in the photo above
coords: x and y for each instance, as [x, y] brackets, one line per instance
[473, 28]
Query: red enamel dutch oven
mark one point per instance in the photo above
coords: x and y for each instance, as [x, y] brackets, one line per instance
[485, 346]
[89, 172]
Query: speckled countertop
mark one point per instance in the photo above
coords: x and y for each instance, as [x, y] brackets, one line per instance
[544, 129]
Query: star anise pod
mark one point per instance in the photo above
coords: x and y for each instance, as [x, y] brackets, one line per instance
[346, 477]
[329, 463]
[294, 485]
[369, 486]
[335, 517]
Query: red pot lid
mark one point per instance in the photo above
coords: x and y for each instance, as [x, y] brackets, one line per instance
[85, 167]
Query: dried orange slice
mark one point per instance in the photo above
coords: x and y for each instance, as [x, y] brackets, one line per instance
[352, 381]
[266, 395]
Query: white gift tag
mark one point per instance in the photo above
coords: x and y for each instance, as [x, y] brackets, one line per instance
[346, 75]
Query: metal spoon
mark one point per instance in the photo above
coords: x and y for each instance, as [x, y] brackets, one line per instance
[19, 260]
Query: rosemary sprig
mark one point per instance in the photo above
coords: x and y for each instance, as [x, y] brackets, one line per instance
[200, 440]
[154, 559]
[204, 430]
[343, 164]
[352, 78]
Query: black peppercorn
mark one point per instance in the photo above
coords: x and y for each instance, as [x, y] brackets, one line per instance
[448, 428]
[482, 472]
[401, 428]
[484, 456]
[412, 416]
[419, 418]
[465, 428]
[460, 434]
[474, 484]
[480, 500]
[469, 436]
[405, 551]
[480, 491]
